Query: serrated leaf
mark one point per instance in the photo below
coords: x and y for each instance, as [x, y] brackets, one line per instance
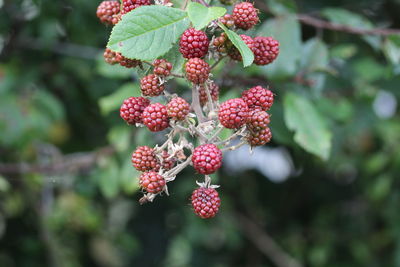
[112, 102]
[148, 32]
[311, 131]
[201, 15]
[245, 51]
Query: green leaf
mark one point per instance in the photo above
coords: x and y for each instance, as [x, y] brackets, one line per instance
[108, 180]
[113, 102]
[285, 29]
[281, 7]
[310, 128]
[392, 50]
[119, 136]
[148, 32]
[129, 177]
[245, 51]
[201, 15]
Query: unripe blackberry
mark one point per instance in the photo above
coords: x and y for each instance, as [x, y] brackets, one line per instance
[234, 53]
[151, 85]
[152, 182]
[126, 62]
[227, 20]
[155, 117]
[258, 97]
[266, 50]
[107, 12]
[233, 113]
[214, 92]
[110, 56]
[219, 43]
[144, 159]
[205, 202]
[193, 44]
[132, 109]
[245, 15]
[207, 159]
[167, 163]
[197, 70]
[129, 5]
[259, 138]
[162, 67]
[258, 120]
[178, 108]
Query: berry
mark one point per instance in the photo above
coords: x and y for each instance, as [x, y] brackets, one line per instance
[259, 138]
[132, 108]
[151, 85]
[233, 113]
[234, 53]
[162, 67]
[152, 182]
[144, 159]
[266, 50]
[227, 20]
[155, 117]
[245, 15]
[108, 12]
[193, 44]
[126, 62]
[129, 5]
[207, 158]
[258, 120]
[205, 202]
[259, 97]
[110, 56]
[167, 164]
[219, 43]
[214, 91]
[197, 70]
[178, 108]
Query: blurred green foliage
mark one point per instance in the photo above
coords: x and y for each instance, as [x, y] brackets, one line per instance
[68, 193]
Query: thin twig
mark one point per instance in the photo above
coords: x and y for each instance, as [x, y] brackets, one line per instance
[217, 62]
[196, 104]
[178, 168]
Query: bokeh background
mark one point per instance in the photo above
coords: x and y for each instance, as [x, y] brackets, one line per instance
[68, 192]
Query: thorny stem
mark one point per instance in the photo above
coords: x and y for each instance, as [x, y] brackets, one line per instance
[196, 104]
[210, 101]
[234, 147]
[178, 168]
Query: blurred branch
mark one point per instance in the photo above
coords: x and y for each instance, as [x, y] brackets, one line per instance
[323, 24]
[265, 243]
[67, 49]
[68, 163]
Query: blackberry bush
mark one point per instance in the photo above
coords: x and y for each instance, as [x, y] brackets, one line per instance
[144, 39]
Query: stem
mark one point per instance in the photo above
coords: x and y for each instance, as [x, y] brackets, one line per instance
[217, 62]
[178, 168]
[233, 136]
[203, 3]
[234, 147]
[210, 100]
[185, 4]
[220, 128]
[196, 104]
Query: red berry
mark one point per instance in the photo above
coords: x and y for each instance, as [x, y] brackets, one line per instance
[126, 62]
[207, 158]
[245, 15]
[205, 202]
[108, 12]
[110, 56]
[132, 108]
[258, 120]
[233, 113]
[227, 20]
[234, 53]
[167, 164]
[129, 5]
[193, 44]
[258, 97]
[214, 91]
[259, 138]
[152, 182]
[144, 159]
[266, 50]
[151, 85]
[178, 108]
[219, 43]
[197, 70]
[162, 67]
[155, 117]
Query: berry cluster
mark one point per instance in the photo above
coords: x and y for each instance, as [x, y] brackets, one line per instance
[204, 117]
